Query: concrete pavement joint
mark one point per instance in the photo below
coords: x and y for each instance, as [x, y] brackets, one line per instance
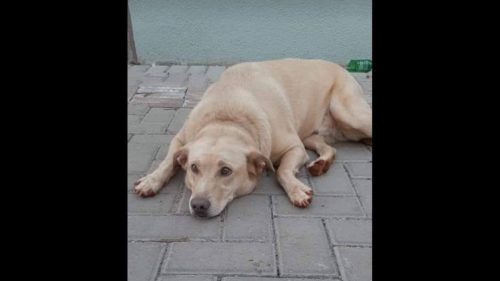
[274, 236]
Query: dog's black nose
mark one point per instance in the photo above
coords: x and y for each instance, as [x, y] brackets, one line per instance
[200, 206]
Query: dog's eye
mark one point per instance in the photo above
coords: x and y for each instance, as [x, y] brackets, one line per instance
[194, 168]
[225, 171]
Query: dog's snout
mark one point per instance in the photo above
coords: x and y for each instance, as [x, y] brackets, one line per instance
[200, 206]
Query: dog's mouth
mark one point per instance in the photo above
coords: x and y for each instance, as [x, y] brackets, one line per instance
[206, 215]
[200, 214]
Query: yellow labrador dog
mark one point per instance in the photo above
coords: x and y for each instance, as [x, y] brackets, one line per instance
[262, 115]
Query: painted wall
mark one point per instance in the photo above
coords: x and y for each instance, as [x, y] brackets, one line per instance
[229, 31]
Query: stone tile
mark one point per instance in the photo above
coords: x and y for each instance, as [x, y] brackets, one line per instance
[364, 190]
[269, 185]
[214, 72]
[131, 91]
[321, 206]
[360, 170]
[186, 278]
[275, 279]
[180, 117]
[162, 153]
[148, 81]
[172, 228]
[144, 260]
[335, 181]
[248, 218]
[348, 151]
[355, 263]
[154, 139]
[137, 109]
[148, 128]
[239, 258]
[303, 248]
[350, 232]
[197, 69]
[140, 156]
[174, 69]
[160, 204]
[177, 80]
[160, 115]
[197, 83]
[157, 71]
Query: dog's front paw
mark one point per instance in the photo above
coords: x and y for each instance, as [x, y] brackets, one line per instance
[147, 186]
[301, 196]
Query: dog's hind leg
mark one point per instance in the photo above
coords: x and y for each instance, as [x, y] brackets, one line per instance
[151, 184]
[350, 111]
[326, 154]
[299, 194]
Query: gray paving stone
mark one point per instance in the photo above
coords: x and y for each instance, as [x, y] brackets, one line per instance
[133, 82]
[133, 119]
[164, 88]
[148, 81]
[360, 170]
[167, 99]
[129, 136]
[303, 248]
[190, 103]
[140, 156]
[148, 128]
[131, 91]
[350, 232]
[160, 115]
[321, 206]
[274, 279]
[355, 263]
[348, 151]
[186, 278]
[160, 204]
[335, 181]
[177, 80]
[157, 71]
[269, 185]
[197, 83]
[239, 258]
[144, 260]
[364, 190]
[157, 139]
[135, 69]
[172, 228]
[248, 218]
[137, 109]
[214, 72]
[177, 69]
[180, 117]
[197, 69]
[162, 153]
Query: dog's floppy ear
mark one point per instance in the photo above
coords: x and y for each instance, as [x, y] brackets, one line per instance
[256, 163]
[181, 157]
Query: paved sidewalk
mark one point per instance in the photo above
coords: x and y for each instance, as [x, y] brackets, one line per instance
[258, 237]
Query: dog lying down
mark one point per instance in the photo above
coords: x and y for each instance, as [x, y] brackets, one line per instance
[263, 115]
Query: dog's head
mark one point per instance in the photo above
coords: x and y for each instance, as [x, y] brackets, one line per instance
[217, 171]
